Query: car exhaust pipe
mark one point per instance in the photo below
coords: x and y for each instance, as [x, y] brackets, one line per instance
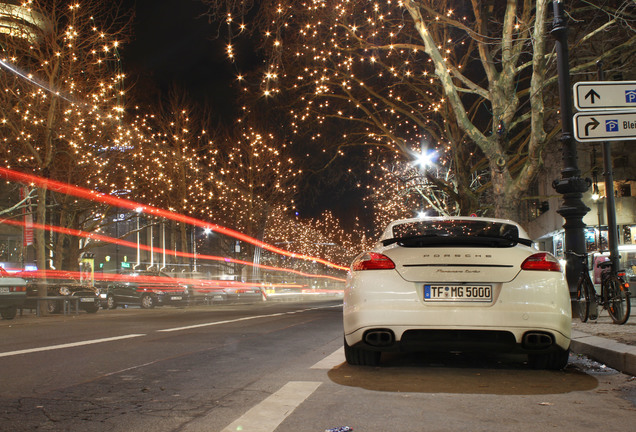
[537, 340]
[379, 338]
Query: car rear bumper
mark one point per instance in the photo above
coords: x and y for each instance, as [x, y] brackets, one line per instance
[449, 338]
[383, 312]
[11, 300]
[90, 301]
[172, 299]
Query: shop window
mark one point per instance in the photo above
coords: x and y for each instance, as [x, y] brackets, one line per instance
[625, 190]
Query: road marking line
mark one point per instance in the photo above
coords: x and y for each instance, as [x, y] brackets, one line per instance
[331, 361]
[130, 368]
[68, 345]
[218, 323]
[267, 415]
[240, 319]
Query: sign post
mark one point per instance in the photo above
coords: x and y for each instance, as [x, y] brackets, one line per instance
[615, 122]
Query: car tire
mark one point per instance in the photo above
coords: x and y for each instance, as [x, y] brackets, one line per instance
[9, 313]
[91, 309]
[360, 356]
[110, 302]
[147, 301]
[556, 360]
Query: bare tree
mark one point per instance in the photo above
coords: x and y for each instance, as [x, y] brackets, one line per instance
[253, 173]
[63, 93]
[324, 237]
[403, 71]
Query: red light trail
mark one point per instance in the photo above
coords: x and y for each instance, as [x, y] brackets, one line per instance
[126, 243]
[83, 193]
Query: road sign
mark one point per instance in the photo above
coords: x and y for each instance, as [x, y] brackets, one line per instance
[605, 95]
[605, 125]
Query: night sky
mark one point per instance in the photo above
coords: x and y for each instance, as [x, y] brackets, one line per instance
[171, 43]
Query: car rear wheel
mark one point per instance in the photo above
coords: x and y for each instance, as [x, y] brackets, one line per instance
[9, 313]
[110, 302]
[361, 357]
[147, 301]
[91, 309]
[553, 361]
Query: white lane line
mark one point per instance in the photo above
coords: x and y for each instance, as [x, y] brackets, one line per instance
[69, 345]
[266, 416]
[241, 319]
[331, 361]
[95, 341]
[218, 323]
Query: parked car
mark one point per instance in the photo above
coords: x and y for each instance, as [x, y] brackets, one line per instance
[12, 294]
[146, 289]
[208, 289]
[243, 294]
[59, 283]
[456, 283]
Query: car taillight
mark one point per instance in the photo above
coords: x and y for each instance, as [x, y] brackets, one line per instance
[372, 261]
[542, 261]
[17, 289]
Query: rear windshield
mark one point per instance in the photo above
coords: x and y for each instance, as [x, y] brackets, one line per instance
[456, 232]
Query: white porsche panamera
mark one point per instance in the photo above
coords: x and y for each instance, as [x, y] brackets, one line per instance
[457, 283]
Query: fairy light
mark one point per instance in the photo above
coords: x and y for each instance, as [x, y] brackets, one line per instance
[165, 160]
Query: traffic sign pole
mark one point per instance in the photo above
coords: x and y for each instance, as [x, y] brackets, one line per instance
[612, 120]
[610, 202]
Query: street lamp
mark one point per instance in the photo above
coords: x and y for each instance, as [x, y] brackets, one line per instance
[139, 210]
[570, 185]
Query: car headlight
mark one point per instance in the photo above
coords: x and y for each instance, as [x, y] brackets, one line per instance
[64, 291]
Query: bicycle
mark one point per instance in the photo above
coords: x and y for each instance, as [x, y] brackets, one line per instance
[614, 292]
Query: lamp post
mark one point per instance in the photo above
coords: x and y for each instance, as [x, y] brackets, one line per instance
[570, 185]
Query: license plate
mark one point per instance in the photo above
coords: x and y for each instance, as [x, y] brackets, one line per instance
[87, 300]
[462, 293]
[176, 298]
[4, 290]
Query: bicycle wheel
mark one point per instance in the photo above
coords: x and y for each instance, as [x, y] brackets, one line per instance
[584, 292]
[617, 299]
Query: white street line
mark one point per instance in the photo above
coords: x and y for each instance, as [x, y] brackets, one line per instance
[266, 416]
[68, 345]
[331, 361]
[215, 323]
[240, 319]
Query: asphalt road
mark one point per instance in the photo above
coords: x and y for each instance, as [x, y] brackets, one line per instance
[276, 367]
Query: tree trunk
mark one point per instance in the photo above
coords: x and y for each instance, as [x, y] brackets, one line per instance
[40, 245]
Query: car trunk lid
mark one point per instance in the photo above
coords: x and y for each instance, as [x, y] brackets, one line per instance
[457, 264]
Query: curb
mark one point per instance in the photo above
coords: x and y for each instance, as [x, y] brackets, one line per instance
[616, 355]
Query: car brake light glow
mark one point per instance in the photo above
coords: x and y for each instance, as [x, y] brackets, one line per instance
[372, 261]
[542, 261]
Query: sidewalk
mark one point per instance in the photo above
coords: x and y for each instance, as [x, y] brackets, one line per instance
[607, 343]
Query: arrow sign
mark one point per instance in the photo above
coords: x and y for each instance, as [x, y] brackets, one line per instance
[591, 94]
[605, 125]
[605, 95]
[593, 124]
